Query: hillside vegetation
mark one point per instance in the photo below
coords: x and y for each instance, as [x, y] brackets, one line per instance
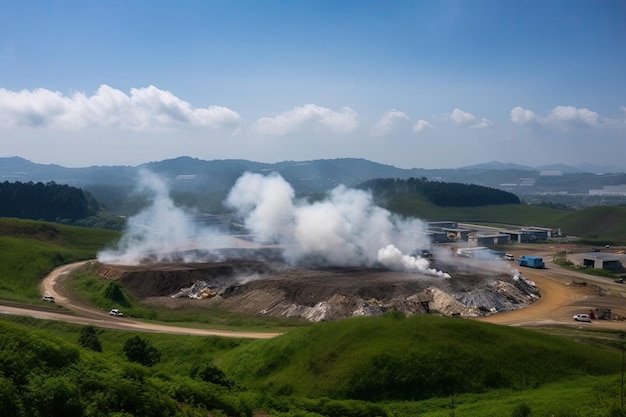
[606, 223]
[396, 358]
[385, 366]
[30, 249]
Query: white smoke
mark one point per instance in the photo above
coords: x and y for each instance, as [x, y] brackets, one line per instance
[393, 258]
[161, 232]
[344, 229]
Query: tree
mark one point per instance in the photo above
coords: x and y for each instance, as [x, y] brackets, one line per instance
[89, 339]
[141, 351]
[215, 376]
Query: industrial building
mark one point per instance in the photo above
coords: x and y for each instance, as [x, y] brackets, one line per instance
[597, 260]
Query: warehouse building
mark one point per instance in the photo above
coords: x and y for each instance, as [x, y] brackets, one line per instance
[597, 260]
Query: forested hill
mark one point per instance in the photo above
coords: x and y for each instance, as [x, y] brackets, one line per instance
[447, 194]
[49, 201]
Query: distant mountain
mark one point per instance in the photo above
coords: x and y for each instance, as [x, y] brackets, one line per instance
[192, 176]
[499, 166]
[581, 168]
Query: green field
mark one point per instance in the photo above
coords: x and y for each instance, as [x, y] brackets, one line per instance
[376, 366]
[593, 224]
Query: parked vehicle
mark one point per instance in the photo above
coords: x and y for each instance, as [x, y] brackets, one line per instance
[48, 298]
[508, 257]
[531, 261]
[619, 280]
[582, 317]
[115, 312]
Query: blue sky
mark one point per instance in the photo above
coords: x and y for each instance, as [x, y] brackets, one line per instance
[427, 84]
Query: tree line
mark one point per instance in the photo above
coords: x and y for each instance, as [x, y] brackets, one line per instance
[49, 201]
[450, 194]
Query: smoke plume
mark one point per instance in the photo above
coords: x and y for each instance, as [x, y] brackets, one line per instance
[345, 228]
[161, 232]
[393, 258]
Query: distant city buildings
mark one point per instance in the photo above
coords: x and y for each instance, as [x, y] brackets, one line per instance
[610, 190]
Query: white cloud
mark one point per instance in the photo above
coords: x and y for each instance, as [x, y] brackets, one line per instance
[460, 117]
[482, 124]
[145, 108]
[560, 116]
[573, 115]
[391, 119]
[521, 115]
[305, 116]
[422, 126]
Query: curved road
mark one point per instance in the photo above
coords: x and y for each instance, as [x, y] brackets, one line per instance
[53, 285]
[560, 300]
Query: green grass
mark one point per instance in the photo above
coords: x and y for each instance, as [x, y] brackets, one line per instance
[412, 359]
[390, 365]
[578, 380]
[603, 224]
[596, 225]
[518, 214]
[29, 250]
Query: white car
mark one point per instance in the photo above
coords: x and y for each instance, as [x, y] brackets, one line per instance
[582, 317]
[48, 298]
[115, 312]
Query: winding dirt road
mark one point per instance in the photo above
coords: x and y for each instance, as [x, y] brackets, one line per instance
[561, 298]
[81, 314]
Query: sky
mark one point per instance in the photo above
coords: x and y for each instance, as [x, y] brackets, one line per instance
[414, 84]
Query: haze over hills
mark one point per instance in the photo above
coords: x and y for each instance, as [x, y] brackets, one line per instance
[196, 175]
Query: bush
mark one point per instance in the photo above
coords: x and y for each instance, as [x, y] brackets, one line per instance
[215, 376]
[521, 410]
[141, 351]
[89, 339]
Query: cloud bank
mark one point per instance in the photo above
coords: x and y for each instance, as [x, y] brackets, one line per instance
[559, 117]
[309, 115]
[143, 109]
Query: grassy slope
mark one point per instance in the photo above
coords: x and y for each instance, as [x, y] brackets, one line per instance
[606, 223]
[368, 357]
[411, 359]
[520, 214]
[587, 390]
[602, 222]
[30, 249]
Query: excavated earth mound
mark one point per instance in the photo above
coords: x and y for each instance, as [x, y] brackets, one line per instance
[272, 288]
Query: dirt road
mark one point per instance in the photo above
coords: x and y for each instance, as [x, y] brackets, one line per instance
[561, 297]
[53, 285]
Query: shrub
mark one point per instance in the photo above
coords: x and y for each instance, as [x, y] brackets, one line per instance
[141, 351]
[89, 339]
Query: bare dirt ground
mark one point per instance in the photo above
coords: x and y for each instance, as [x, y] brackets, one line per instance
[270, 288]
[562, 295]
[483, 290]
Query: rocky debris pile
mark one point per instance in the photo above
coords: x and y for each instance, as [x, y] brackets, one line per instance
[200, 289]
[319, 294]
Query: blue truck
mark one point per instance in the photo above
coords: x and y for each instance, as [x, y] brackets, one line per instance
[531, 261]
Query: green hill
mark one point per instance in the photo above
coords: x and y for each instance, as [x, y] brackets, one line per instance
[606, 223]
[397, 358]
[413, 205]
[30, 249]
